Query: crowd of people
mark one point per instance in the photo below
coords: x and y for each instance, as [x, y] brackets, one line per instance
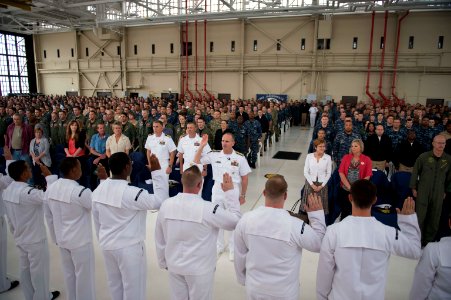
[94, 145]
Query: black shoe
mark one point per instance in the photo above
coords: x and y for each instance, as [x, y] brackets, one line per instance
[55, 294]
[14, 284]
[252, 165]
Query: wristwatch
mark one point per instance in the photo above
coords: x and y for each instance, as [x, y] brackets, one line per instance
[243, 195]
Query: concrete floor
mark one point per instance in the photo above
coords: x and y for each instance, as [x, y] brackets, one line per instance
[400, 272]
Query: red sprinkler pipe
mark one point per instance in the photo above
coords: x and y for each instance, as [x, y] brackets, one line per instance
[196, 85]
[395, 64]
[210, 96]
[370, 55]
[186, 53]
[381, 73]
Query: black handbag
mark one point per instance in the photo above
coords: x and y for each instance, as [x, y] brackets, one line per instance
[297, 213]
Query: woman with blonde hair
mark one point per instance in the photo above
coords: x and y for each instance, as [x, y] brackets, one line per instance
[353, 166]
[317, 171]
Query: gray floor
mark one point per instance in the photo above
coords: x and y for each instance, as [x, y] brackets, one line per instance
[400, 271]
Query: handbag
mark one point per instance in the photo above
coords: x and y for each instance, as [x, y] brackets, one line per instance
[297, 213]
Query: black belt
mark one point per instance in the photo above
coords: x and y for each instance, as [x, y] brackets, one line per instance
[17, 149]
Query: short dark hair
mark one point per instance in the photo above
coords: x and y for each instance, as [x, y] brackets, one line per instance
[275, 187]
[117, 162]
[158, 121]
[67, 165]
[16, 169]
[363, 193]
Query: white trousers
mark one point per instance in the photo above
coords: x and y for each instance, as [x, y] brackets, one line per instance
[78, 268]
[5, 283]
[218, 197]
[312, 120]
[255, 295]
[126, 271]
[34, 270]
[191, 287]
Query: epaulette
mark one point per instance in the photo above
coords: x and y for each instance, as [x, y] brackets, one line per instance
[239, 153]
[183, 135]
[169, 136]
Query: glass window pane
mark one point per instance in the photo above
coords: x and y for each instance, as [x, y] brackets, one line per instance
[3, 65]
[23, 66]
[21, 46]
[12, 62]
[4, 83]
[2, 45]
[15, 85]
[24, 84]
[11, 44]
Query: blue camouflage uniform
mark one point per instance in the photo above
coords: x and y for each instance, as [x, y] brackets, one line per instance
[425, 136]
[254, 131]
[396, 136]
[330, 132]
[342, 144]
[240, 139]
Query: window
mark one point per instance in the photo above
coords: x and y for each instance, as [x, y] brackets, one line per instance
[320, 44]
[382, 44]
[171, 48]
[58, 53]
[354, 42]
[327, 44]
[211, 47]
[255, 45]
[102, 53]
[45, 54]
[440, 42]
[188, 49]
[278, 45]
[13, 64]
[72, 52]
[87, 51]
[118, 50]
[232, 46]
[135, 49]
[153, 48]
[302, 44]
[411, 42]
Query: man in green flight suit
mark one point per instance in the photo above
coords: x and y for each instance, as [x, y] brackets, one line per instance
[431, 178]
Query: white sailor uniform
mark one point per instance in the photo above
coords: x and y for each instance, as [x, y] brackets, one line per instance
[268, 251]
[185, 238]
[119, 212]
[357, 251]
[236, 165]
[24, 209]
[188, 147]
[69, 221]
[5, 283]
[432, 278]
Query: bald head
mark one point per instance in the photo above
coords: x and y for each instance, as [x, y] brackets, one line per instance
[438, 144]
[275, 191]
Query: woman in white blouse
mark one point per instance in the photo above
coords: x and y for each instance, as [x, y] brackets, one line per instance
[317, 171]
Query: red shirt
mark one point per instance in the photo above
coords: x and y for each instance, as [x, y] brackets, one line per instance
[365, 168]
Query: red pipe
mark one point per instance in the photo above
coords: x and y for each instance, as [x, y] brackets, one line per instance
[196, 85]
[186, 53]
[370, 55]
[381, 73]
[210, 96]
[395, 64]
[182, 90]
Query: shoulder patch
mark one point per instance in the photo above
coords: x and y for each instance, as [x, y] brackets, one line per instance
[139, 193]
[29, 191]
[81, 192]
[168, 136]
[216, 208]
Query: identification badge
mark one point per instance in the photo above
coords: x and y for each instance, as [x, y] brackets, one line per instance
[197, 144]
[218, 162]
[162, 143]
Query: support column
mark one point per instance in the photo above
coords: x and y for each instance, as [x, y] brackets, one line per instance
[123, 60]
[314, 57]
[37, 60]
[242, 49]
[77, 60]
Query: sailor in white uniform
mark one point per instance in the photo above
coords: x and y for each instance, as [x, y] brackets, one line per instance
[69, 221]
[119, 212]
[163, 147]
[432, 279]
[6, 284]
[354, 254]
[186, 234]
[269, 243]
[24, 209]
[225, 161]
